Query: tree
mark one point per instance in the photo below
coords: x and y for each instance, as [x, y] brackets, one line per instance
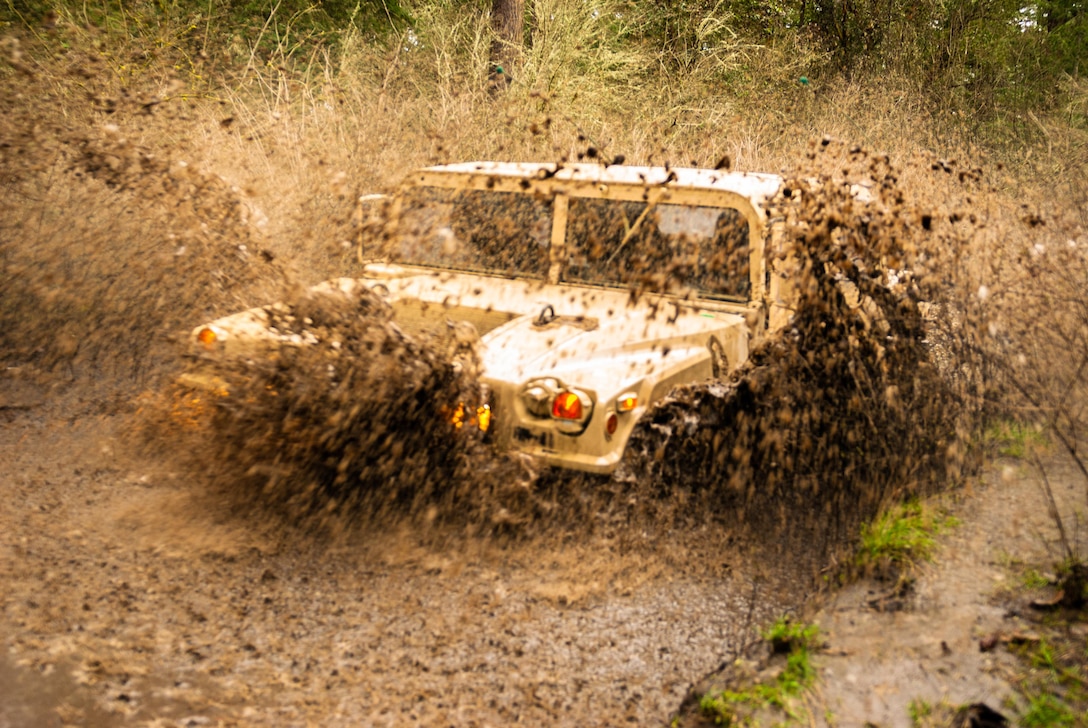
[508, 23]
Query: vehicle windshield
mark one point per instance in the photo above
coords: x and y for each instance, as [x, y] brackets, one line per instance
[666, 248]
[474, 230]
[663, 247]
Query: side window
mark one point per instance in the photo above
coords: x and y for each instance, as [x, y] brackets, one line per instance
[665, 247]
[475, 230]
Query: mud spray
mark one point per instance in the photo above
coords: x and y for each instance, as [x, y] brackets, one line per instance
[857, 403]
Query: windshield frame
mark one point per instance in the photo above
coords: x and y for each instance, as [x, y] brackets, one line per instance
[560, 191]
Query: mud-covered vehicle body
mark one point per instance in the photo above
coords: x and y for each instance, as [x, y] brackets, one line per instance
[594, 290]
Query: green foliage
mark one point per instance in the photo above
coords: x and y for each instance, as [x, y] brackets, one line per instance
[786, 635]
[736, 707]
[919, 710]
[1052, 683]
[1014, 439]
[1065, 24]
[580, 46]
[687, 32]
[319, 17]
[979, 57]
[1046, 710]
[284, 27]
[1043, 656]
[902, 536]
[979, 64]
[1032, 579]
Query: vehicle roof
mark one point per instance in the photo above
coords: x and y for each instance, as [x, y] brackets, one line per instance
[755, 186]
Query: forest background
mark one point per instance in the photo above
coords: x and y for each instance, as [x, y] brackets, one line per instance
[378, 87]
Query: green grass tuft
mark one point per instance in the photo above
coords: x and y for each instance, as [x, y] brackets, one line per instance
[919, 710]
[1014, 439]
[902, 537]
[737, 707]
[1046, 710]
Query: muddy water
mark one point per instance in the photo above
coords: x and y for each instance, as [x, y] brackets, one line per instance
[129, 596]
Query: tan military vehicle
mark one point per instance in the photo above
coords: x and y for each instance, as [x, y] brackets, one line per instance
[593, 291]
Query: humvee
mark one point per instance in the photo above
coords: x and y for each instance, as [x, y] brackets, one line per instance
[593, 291]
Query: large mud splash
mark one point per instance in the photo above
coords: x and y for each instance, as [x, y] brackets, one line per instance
[853, 405]
[362, 419]
[110, 251]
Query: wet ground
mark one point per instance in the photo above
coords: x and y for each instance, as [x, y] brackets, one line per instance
[131, 597]
[947, 645]
[928, 648]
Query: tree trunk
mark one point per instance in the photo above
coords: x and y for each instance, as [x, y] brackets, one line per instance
[508, 22]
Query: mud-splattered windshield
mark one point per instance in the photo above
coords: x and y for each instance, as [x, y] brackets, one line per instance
[476, 230]
[664, 247]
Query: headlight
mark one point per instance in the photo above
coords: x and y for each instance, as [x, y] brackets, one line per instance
[537, 397]
[547, 399]
[567, 405]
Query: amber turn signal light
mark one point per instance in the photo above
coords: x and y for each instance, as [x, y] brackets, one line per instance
[207, 336]
[483, 417]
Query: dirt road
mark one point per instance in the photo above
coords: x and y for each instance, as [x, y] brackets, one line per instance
[131, 597]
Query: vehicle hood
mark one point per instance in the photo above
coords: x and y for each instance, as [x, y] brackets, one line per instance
[595, 338]
[592, 337]
[602, 352]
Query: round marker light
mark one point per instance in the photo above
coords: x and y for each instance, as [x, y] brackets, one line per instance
[611, 424]
[567, 406]
[207, 336]
[627, 402]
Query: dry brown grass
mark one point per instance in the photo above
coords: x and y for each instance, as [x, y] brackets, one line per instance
[298, 139]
